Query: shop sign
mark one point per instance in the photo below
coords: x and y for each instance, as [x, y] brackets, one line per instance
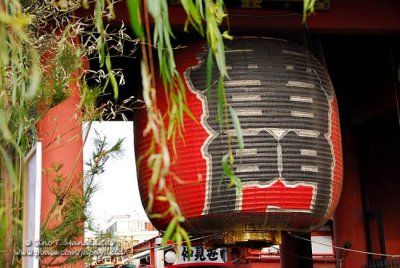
[200, 254]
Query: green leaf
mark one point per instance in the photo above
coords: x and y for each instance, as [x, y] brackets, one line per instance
[114, 84]
[193, 14]
[227, 169]
[170, 230]
[9, 165]
[108, 61]
[221, 55]
[209, 70]
[221, 101]
[226, 35]
[189, 113]
[308, 8]
[98, 20]
[135, 17]
[154, 7]
[111, 76]
[5, 131]
[186, 238]
[172, 116]
[226, 166]
[35, 76]
[178, 239]
[238, 129]
[155, 165]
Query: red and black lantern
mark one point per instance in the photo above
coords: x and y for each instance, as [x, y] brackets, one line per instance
[291, 166]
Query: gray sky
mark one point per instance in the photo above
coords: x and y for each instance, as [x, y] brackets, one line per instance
[117, 192]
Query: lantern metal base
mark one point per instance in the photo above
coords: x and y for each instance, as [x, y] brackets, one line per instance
[248, 235]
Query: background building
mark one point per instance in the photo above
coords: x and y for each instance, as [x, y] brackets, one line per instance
[128, 233]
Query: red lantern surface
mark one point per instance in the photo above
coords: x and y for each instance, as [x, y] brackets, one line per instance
[291, 166]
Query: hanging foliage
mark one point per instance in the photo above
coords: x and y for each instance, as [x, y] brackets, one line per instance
[42, 50]
[31, 31]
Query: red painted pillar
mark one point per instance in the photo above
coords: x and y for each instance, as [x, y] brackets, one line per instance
[152, 253]
[60, 132]
[349, 216]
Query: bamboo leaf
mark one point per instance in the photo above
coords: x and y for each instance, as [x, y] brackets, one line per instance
[170, 230]
[189, 113]
[308, 8]
[111, 76]
[35, 76]
[171, 120]
[238, 129]
[108, 61]
[181, 85]
[199, 7]
[154, 7]
[156, 167]
[178, 239]
[114, 84]
[181, 103]
[209, 70]
[226, 35]
[187, 239]
[221, 101]
[9, 165]
[5, 131]
[227, 170]
[226, 166]
[134, 9]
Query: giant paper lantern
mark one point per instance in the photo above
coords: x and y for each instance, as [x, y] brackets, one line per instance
[291, 166]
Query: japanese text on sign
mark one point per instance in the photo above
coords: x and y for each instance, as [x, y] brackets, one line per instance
[200, 254]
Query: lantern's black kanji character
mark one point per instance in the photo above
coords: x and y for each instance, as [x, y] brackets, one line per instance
[199, 255]
[212, 255]
[222, 254]
[186, 255]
